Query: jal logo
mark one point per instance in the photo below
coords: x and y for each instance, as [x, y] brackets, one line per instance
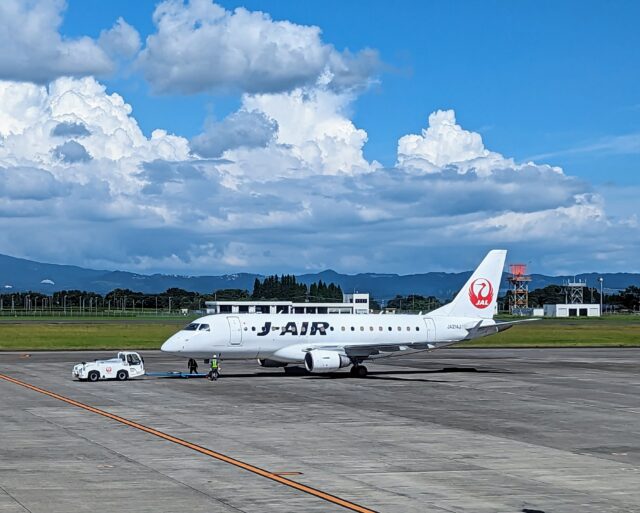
[481, 293]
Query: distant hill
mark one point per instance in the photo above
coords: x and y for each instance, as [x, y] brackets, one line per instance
[18, 274]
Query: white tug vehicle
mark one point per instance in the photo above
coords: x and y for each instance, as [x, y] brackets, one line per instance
[127, 364]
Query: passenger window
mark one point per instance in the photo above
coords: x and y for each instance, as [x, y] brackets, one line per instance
[343, 328]
[399, 328]
[408, 328]
[390, 328]
[205, 327]
[253, 328]
[379, 328]
[191, 327]
[370, 328]
[361, 328]
[352, 328]
[417, 328]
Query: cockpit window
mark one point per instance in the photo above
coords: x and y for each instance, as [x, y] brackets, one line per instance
[191, 327]
[204, 327]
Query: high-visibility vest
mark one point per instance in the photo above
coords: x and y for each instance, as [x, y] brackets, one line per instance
[214, 363]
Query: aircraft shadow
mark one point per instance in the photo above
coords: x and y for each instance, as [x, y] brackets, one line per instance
[389, 375]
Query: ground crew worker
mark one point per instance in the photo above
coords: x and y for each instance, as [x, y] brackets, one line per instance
[193, 366]
[213, 375]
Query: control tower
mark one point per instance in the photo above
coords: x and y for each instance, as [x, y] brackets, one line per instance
[519, 280]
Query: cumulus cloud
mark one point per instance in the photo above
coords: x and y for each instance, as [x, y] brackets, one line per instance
[71, 152]
[199, 46]
[70, 129]
[445, 143]
[78, 107]
[249, 129]
[27, 183]
[33, 49]
[315, 136]
[284, 186]
[121, 40]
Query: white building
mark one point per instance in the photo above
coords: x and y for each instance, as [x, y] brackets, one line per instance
[572, 310]
[352, 303]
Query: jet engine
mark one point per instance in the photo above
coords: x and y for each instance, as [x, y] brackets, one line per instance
[271, 363]
[318, 360]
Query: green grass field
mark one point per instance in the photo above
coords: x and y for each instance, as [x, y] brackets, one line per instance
[622, 331]
[39, 336]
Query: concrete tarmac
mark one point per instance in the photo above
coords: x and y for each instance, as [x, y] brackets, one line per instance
[464, 431]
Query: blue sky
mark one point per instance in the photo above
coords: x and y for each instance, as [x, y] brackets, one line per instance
[554, 84]
[534, 78]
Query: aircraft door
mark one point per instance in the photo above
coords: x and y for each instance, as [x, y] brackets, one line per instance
[235, 331]
[431, 329]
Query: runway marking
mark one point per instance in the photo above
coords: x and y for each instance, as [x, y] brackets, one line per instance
[203, 450]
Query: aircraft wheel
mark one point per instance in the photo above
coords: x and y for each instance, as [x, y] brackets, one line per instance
[361, 371]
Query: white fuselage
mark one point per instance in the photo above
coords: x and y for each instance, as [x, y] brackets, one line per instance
[287, 337]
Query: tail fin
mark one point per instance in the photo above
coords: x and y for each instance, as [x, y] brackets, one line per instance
[479, 295]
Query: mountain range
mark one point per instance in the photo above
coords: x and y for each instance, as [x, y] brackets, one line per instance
[20, 275]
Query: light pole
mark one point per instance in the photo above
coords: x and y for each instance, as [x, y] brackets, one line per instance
[601, 280]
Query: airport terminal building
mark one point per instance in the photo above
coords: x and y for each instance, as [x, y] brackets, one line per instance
[351, 304]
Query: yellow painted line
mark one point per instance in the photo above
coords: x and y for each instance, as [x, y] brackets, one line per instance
[203, 450]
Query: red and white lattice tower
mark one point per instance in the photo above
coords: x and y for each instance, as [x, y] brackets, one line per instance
[519, 280]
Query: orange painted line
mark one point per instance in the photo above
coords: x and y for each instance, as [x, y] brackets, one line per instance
[203, 450]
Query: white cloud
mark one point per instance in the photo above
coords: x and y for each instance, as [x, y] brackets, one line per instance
[121, 40]
[199, 46]
[314, 136]
[71, 152]
[33, 49]
[301, 197]
[248, 129]
[110, 135]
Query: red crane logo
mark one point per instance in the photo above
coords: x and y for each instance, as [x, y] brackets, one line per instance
[480, 293]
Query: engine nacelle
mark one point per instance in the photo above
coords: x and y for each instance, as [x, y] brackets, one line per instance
[271, 363]
[318, 360]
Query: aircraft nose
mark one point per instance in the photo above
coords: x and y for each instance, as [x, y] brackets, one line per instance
[172, 345]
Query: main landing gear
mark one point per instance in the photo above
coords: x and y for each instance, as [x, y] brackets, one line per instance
[358, 371]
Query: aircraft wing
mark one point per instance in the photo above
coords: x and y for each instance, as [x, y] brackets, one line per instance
[479, 331]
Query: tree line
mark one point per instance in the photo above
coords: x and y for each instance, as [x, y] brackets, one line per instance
[284, 287]
[287, 288]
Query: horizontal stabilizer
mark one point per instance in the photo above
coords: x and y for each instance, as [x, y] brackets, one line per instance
[479, 331]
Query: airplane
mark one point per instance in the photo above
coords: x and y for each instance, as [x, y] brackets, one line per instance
[326, 343]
